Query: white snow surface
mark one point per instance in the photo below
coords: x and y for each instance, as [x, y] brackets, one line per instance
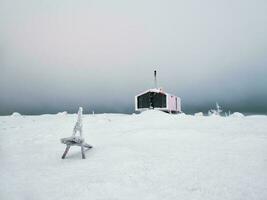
[237, 114]
[16, 114]
[199, 114]
[152, 155]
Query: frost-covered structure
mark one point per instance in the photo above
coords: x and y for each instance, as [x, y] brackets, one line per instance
[216, 111]
[76, 140]
[158, 100]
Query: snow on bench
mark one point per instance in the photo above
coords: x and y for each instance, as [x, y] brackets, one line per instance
[76, 140]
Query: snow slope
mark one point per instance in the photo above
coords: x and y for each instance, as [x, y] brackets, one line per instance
[152, 155]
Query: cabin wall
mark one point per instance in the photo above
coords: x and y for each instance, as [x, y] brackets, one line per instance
[171, 103]
[174, 103]
[179, 107]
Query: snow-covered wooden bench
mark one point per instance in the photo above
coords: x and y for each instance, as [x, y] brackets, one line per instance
[76, 140]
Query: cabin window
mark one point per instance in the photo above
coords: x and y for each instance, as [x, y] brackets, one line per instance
[152, 100]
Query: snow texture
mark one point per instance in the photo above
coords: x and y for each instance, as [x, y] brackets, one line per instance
[237, 114]
[199, 114]
[16, 114]
[152, 155]
[62, 113]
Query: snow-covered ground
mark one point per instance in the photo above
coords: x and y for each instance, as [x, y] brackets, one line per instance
[152, 155]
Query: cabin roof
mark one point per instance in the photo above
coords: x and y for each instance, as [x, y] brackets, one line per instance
[156, 90]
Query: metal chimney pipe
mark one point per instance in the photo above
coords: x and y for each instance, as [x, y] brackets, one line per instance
[155, 79]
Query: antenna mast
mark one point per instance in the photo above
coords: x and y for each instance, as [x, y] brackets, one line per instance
[155, 79]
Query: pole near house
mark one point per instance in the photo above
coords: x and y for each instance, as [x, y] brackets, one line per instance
[155, 79]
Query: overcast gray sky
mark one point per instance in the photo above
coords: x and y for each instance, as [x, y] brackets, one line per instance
[57, 54]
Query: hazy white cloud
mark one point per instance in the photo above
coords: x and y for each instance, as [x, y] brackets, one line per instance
[58, 54]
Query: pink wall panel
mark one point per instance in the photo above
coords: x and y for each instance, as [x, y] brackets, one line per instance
[174, 103]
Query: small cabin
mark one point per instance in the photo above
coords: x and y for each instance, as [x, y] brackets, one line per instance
[158, 100]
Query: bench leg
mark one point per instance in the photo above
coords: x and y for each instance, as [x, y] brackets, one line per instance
[87, 146]
[83, 154]
[66, 151]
